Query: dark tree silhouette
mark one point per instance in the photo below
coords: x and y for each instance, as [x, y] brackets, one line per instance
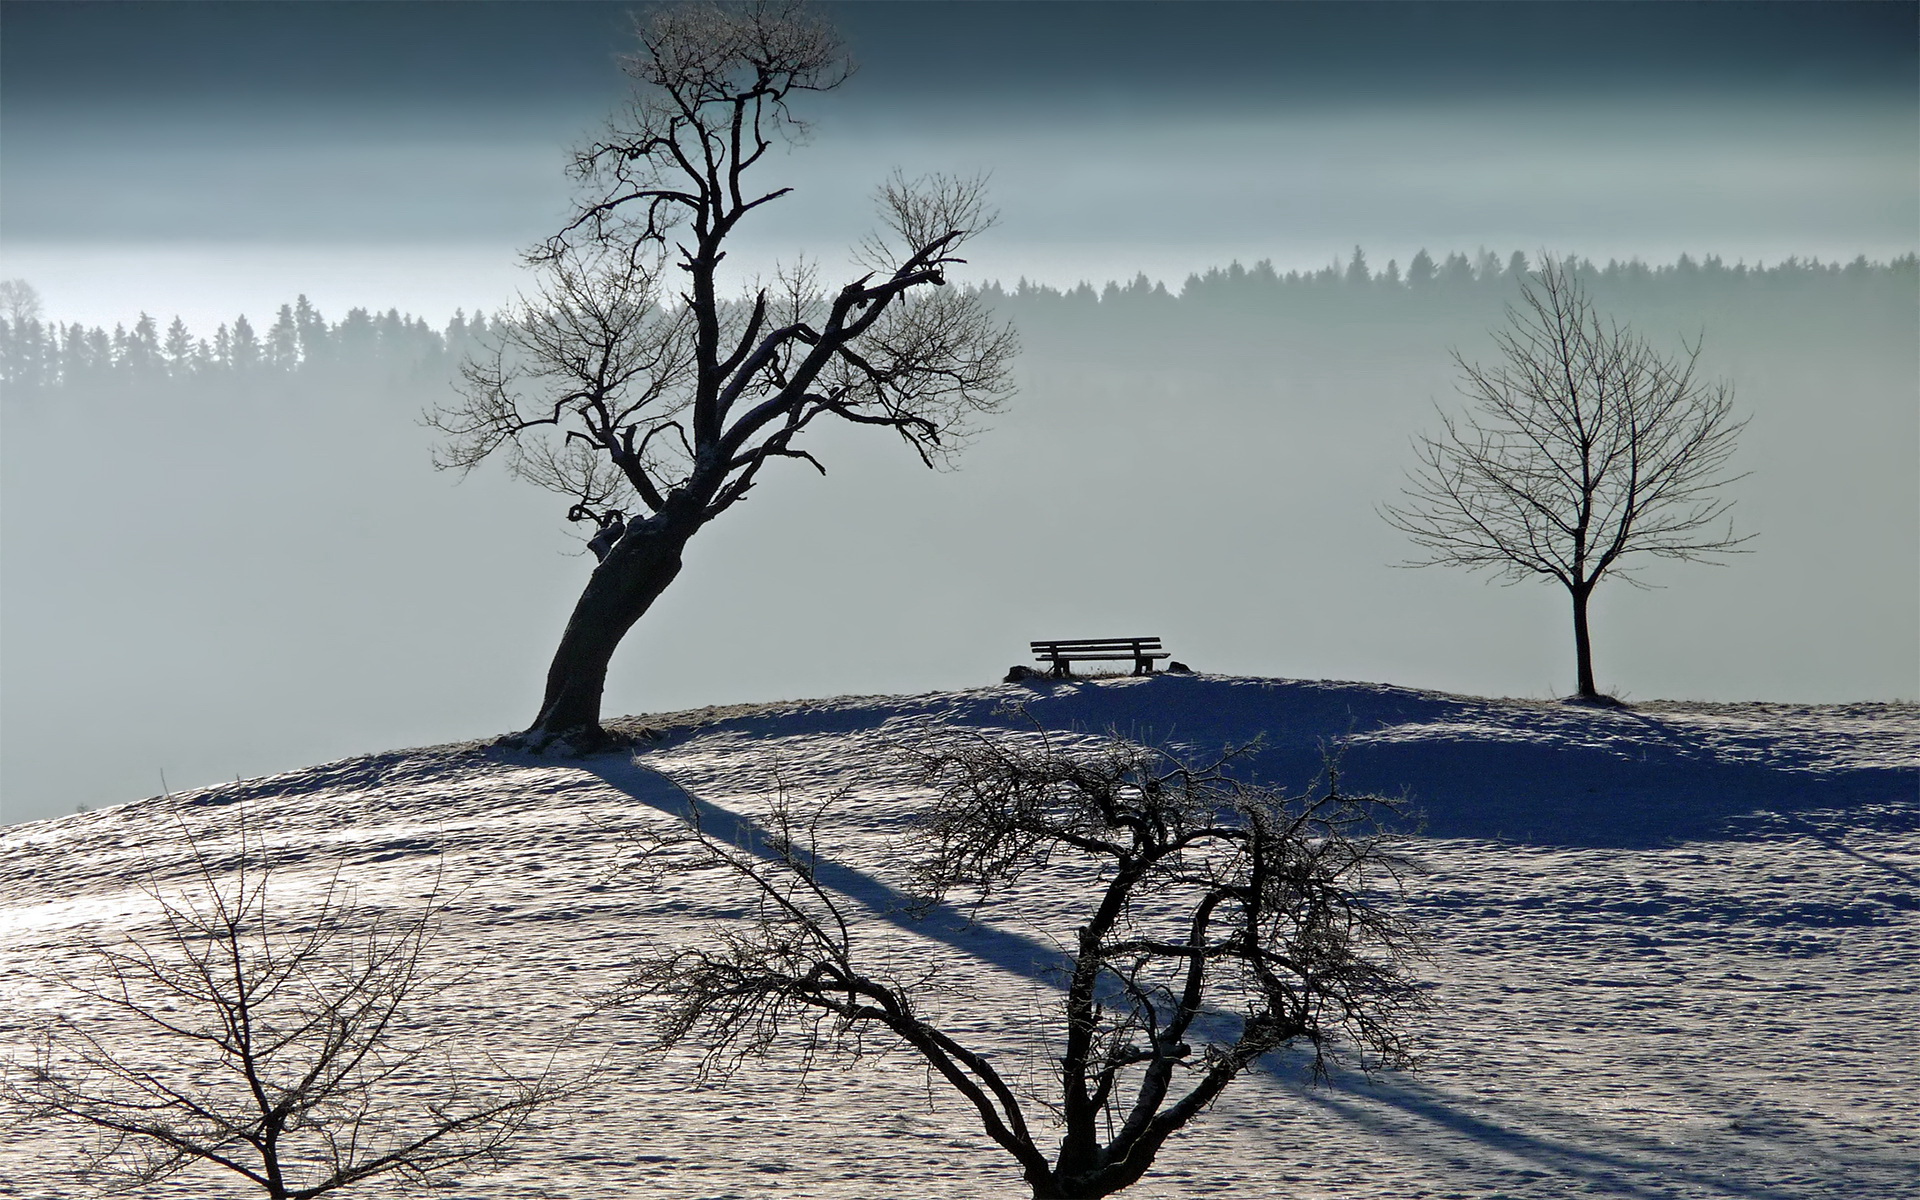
[1357, 268]
[1420, 272]
[1583, 449]
[1221, 922]
[277, 1039]
[621, 396]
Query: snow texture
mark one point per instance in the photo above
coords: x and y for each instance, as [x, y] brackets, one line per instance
[1675, 946]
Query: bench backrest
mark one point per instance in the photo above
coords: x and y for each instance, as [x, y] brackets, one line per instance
[1069, 645]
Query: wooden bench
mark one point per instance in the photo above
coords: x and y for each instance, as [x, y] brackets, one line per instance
[1063, 653]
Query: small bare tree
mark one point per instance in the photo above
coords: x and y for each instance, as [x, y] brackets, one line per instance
[652, 402]
[271, 1039]
[1220, 922]
[1584, 449]
[19, 302]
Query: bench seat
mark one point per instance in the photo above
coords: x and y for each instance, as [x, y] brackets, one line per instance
[1062, 653]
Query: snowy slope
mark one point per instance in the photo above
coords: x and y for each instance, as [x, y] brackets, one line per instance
[1676, 947]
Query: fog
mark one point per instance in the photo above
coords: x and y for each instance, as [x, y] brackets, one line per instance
[209, 160]
[204, 582]
[359, 214]
[253, 578]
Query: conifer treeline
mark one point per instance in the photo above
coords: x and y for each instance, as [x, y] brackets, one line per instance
[1458, 276]
[300, 339]
[37, 353]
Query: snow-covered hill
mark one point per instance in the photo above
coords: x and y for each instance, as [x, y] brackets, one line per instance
[1676, 947]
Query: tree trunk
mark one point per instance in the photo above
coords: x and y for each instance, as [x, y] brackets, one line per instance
[1094, 1185]
[1582, 644]
[638, 568]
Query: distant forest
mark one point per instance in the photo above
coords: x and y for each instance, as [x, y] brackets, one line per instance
[35, 353]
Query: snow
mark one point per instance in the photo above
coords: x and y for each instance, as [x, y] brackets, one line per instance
[1674, 945]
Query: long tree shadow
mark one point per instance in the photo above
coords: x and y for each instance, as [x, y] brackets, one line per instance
[1634, 797]
[1542, 774]
[1561, 1145]
[942, 923]
[1537, 773]
[1389, 1107]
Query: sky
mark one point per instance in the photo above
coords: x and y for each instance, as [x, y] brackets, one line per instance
[211, 158]
[237, 592]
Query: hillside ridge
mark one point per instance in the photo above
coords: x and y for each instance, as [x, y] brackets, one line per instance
[1672, 945]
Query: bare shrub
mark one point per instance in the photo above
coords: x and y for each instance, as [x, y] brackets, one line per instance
[1220, 921]
[274, 1036]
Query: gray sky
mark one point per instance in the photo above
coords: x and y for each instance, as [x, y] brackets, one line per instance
[212, 158]
[230, 593]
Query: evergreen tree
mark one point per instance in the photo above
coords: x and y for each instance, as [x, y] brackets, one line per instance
[1420, 271]
[354, 341]
[94, 350]
[246, 346]
[178, 347]
[283, 341]
[11, 349]
[311, 330]
[143, 345]
[29, 351]
[390, 335]
[456, 336]
[1357, 268]
[24, 351]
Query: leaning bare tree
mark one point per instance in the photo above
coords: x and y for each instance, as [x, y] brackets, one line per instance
[272, 1037]
[1217, 922]
[650, 399]
[1585, 450]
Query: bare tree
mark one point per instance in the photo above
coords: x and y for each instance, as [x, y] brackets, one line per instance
[655, 412]
[19, 302]
[275, 1040]
[1584, 449]
[1220, 922]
